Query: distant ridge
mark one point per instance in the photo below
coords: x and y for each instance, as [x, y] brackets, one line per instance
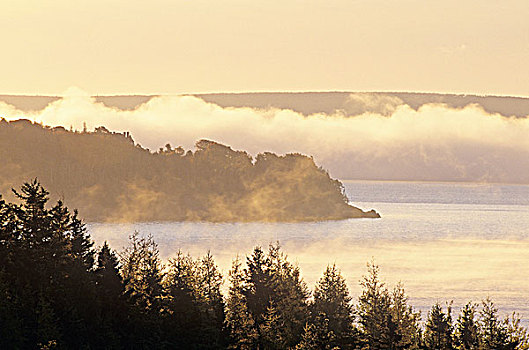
[352, 103]
[28, 103]
[37, 103]
[306, 103]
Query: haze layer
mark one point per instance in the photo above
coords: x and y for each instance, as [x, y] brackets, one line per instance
[369, 136]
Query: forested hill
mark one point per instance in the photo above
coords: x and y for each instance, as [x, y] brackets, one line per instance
[109, 178]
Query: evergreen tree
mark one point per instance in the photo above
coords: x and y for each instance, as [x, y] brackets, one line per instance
[318, 335]
[272, 330]
[180, 284]
[499, 334]
[332, 311]
[276, 295]
[55, 294]
[11, 335]
[48, 262]
[194, 302]
[438, 333]
[48, 334]
[142, 275]
[110, 289]
[258, 290]
[518, 336]
[466, 330]
[210, 301]
[107, 274]
[77, 306]
[405, 331]
[239, 321]
[387, 321]
[11, 330]
[290, 297]
[141, 271]
[6, 233]
[374, 306]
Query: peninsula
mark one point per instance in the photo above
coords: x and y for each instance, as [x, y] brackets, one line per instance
[110, 178]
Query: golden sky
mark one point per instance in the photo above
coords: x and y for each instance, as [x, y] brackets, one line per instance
[176, 46]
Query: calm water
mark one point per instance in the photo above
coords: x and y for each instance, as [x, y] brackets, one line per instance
[456, 242]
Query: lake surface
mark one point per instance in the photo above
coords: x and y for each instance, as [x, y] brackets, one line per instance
[443, 241]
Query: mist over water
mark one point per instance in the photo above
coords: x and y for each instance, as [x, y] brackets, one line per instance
[391, 141]
[443, 241]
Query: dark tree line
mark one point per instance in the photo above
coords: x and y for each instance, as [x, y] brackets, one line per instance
[58, 291]
[110, 178]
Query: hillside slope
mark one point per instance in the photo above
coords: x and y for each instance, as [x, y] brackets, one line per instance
[110, 178]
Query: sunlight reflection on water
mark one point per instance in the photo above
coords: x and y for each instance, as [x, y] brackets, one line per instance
[443, 241]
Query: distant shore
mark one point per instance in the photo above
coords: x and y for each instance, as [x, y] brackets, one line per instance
[305, 103]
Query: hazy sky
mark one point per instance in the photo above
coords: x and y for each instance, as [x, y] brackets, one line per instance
[174, 46]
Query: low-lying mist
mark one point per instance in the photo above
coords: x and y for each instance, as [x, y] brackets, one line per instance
[458, 269]
[435, 142]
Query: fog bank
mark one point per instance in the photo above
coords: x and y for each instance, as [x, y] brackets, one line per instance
[434, 142]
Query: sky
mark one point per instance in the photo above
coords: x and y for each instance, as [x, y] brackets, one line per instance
[192, 46]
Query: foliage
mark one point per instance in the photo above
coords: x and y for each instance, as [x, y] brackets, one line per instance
[439, 329]
[276, 297]
[57, 291]
[332, 314]
[467, 331]
[112, 179]
[386, 319]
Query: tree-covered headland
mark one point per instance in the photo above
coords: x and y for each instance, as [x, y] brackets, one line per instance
[59, 291]
[110, 178]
